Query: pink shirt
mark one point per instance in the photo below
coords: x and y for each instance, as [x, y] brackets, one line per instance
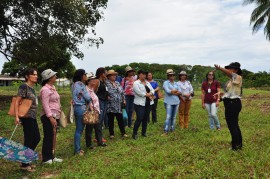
[94, 98]
[50, 100]
[128, 85]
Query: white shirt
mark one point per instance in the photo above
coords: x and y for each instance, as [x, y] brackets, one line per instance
[140, 92]
[186, 87]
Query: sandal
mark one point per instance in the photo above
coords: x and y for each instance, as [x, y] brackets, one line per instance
[28, 169]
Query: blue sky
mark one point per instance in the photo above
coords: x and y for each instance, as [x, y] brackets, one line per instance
[192, 32]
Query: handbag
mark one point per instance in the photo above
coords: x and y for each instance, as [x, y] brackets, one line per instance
[24, 106]
[125, 116]
[90, 116]
[63, 119]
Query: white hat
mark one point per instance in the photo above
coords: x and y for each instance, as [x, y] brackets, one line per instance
[90, 75]
[170, 72]
[47, 74]
[128, 68]
[183, 73]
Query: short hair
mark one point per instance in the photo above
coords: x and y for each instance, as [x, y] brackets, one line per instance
[28, 72]
[78, 75]
[100, 71]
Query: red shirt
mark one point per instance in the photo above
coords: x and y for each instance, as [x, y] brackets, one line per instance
[210, 90]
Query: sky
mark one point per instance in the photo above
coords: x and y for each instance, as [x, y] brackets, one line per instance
[192, 32]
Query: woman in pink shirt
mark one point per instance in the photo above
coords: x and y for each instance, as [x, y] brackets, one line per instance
[93, 105]
[50, 111]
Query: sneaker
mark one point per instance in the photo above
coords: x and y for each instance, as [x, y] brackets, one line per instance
[103, 145]
[104, 140]
[57, 160]
[111, 137]
[48, 162]
[28, 168]
[164, 134]
[125, 135]
[219, 129]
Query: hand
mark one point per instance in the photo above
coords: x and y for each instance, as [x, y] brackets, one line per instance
[217, 67]
[217, 103]
[216, 95]
[203, 105]
[17, 121]
[187, 95]
[53, 122]
[91, 107]
[125, 102]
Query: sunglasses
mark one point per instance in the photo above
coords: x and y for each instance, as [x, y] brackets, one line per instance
[171, 75]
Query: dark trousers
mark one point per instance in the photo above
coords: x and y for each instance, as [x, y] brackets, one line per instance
[47, 145]
[88, 134]
[129, 108]
[31, 133]
[119, 118]
[142, 113]
[154, 111]
[232, 110]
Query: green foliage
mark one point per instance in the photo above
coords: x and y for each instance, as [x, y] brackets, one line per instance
[260, 16]
[196, 73]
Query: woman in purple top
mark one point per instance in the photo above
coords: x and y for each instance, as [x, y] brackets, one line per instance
[155, 86]
[210, 87]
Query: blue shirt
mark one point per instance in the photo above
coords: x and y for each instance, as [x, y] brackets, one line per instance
[169, 97]
[154, 84]
[80, 94]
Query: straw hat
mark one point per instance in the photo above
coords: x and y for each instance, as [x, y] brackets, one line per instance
[111, 72]
[170, 72]
[128, 69]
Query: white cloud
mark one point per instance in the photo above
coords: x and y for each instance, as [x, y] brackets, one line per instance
[178, 32]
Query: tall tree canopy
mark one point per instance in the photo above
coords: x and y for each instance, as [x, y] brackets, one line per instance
[46, 33]
[260, 16]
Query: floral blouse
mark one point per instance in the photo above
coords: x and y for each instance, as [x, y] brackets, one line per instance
[128, 85]
[116, 97]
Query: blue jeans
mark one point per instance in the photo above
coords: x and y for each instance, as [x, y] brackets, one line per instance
[78, 113]
[103, 113]
[212, 115]
[142, 113]
[129, 108]
[170, 117]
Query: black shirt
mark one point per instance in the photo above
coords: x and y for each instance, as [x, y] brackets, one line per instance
[102, 91]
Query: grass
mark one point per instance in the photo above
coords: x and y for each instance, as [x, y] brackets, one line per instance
[193, 153]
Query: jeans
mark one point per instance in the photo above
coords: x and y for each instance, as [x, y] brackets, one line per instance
[78, 113]
[142, 113]
[103, 113]
[119, 118]
[31, 134]
[154, 111]
[88, 134]
[170, 117]
[184, 109]
[232, 110]
[129, 108]
[47, 144]
[212, 115]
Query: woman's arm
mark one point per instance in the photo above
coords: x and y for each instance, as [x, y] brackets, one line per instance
[137, 90]
[225, 71]
[166, 88]
[203, 95]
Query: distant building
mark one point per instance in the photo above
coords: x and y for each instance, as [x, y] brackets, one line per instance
[62, 82]
[6, 80]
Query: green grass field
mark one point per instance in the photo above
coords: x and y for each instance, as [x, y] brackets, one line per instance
[196, 152]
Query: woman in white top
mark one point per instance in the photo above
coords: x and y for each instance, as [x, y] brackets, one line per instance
[144, 98]
[185, 97]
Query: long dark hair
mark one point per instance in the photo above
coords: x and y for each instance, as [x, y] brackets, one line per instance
[206, 76]
[100, 71]
[28, 72]
[43, 83]
[78, 75]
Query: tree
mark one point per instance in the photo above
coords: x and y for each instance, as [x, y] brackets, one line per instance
[260, 16]
[45, 33]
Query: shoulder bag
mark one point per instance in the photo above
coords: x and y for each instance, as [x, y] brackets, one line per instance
[91, 116]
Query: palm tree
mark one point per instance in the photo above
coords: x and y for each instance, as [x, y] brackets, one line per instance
[260, 16]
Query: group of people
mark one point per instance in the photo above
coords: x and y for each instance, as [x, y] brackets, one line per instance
[109, 95]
